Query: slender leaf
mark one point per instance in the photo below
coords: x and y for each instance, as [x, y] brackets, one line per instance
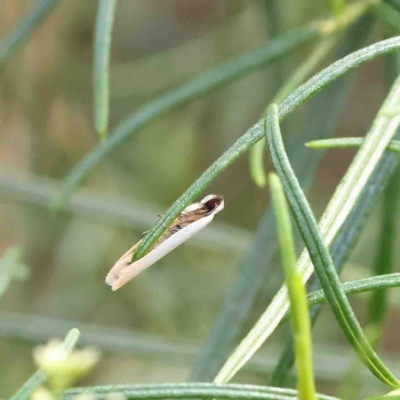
[370, 284]
[102, 49]
[317, 249]
[15, 39]
[348, 143]
[190, 390]
[39, 377]
[300, 319]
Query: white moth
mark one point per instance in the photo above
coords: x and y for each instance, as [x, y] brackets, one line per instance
[193, 218]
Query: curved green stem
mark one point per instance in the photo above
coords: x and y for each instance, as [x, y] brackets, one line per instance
[300, 318]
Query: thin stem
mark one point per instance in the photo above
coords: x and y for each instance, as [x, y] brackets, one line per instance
[297, 294]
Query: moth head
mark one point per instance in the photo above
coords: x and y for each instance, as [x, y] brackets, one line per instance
[214, 203]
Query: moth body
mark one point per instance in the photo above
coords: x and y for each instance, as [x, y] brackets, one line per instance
[193, 218]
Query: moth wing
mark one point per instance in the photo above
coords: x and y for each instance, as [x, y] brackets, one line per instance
[128, 272]
[121, 265]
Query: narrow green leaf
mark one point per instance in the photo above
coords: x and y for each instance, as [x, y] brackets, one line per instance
[39, 377]
[15, 39]
[190, 390]
[300, 319]
[370, 284]
[102, 50]
[316, 247]
[254, 134]
[348, 143]
[198, 86]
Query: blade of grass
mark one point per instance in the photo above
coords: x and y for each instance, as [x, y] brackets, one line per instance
[363, 285]
[15, 39]
[348, 143]
[255, 133]
[314, 241]
[255, 270]
[102, 49]
[300, 319]
[39, 377]
[190, 390]
[212, 79]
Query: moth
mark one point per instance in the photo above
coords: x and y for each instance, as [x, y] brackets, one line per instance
[193, 218]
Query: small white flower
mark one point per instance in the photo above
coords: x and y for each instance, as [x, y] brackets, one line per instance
[64, 369]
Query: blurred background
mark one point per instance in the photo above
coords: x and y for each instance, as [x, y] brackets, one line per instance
[153, 329]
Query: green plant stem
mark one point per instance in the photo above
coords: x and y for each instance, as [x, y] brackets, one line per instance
[300, 319]
[314, 241]
[102, 50]
[255, 133]
[39, 377]
[15, 39]
[370, 284]
[348, 143]
[191, 390]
